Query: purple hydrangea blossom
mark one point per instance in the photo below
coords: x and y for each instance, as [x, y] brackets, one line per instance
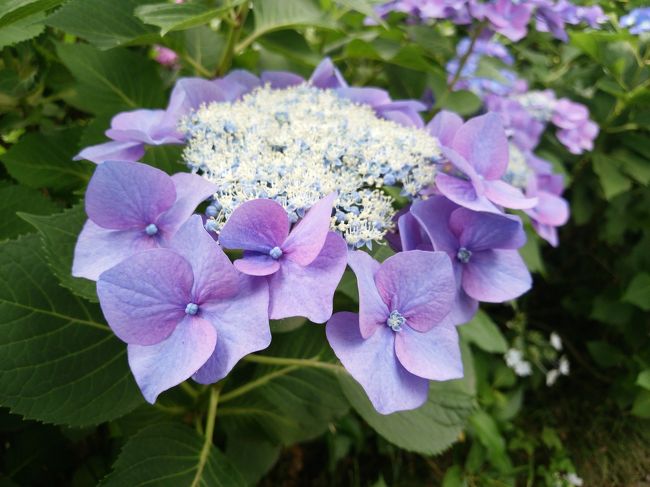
[551, 211]
[552, 16]
[576, 132]
[184, 311]
[133, 207]
[482, 247]
[637, 21]
[398, 342]
[132, 131]
[507, 17]
[303, 266]
[478, 151]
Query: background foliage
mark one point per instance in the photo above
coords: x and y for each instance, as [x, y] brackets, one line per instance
[72, 414]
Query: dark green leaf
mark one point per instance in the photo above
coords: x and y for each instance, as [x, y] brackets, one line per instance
[59, 361]
[105, 23]
[21, 30]
[638, 292]
[462, 102]
[171, 454]
[59, 234]
[111, 81]
[641, 406]
[45, 161]
[612, 180]
[643, 380]
[14, 198]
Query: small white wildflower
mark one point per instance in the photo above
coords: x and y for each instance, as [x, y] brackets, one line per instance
[296, 145]
[513, 357]
[564, 365]
[556, 341]
[552, 376]
[523, 369]
[574, 479]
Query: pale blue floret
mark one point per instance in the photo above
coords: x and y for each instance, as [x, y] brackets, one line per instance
[211, 226]
[191, 309]
[275, 253]
[395, 321]
[151, 229]
[464, 255]
[211, 211]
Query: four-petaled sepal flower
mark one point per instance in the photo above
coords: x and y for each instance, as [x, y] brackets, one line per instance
[303, 267]
[133, 207]
[184, 311]
[399, 340]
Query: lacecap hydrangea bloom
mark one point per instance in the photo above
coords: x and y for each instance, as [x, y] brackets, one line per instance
[509, 18]
[294, 174]
[637, 21]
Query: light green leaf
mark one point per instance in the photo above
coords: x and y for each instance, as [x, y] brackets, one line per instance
[45, 161]
[462, 102]
[21, 30]
[171, 454]
[104, 23]
[59, 361]
[612, 180]
[14, 198]
[428, 430]
[170, 17]
[487, 431]
[638, 292]
[484, 333]
[14, 12]
[59, 234]
[272, 15]
[111, 81]
[643, 380]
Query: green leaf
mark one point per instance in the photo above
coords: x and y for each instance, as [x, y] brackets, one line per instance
[59, 361]
[45, 161]
[272, 15]
[643, 380]
[59, 234]
[171, 454]
[291, 403]
[641, 406]
[612, 180]
[111, 81]
[484, 333]
[428, 430]
[170, 17]
[104, 23]
[15, 198]
[638, 292]
[487, 431]
[21, 30]
[14, 12]
[165, 157]
[462, 102]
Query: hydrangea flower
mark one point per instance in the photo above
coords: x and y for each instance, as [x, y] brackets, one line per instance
[132, 207]
[482, 247]
[184, 311]
[637, 21]
[576, 132]
[478, 149]
[507, 17]
[304, 265]
[165, 56]
[397, 343]
[132, 131]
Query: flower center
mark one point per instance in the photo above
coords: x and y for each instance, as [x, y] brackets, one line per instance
[191, 309]
[464, 255]
[395, 321]
[275, 252]
[151, 229]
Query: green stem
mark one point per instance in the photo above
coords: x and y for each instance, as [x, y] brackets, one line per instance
[234, 32]
[209, 432]
[189, 390]
[259, 382]
[300, 362]
[463, 60]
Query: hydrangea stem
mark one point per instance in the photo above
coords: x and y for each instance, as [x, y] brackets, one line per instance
[463, 60]
[234, 32]
[209, 432]
[300, 362]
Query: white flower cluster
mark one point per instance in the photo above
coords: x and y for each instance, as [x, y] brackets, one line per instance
[296, 145]
[539, 104]
[515, 360]
[518, 172]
